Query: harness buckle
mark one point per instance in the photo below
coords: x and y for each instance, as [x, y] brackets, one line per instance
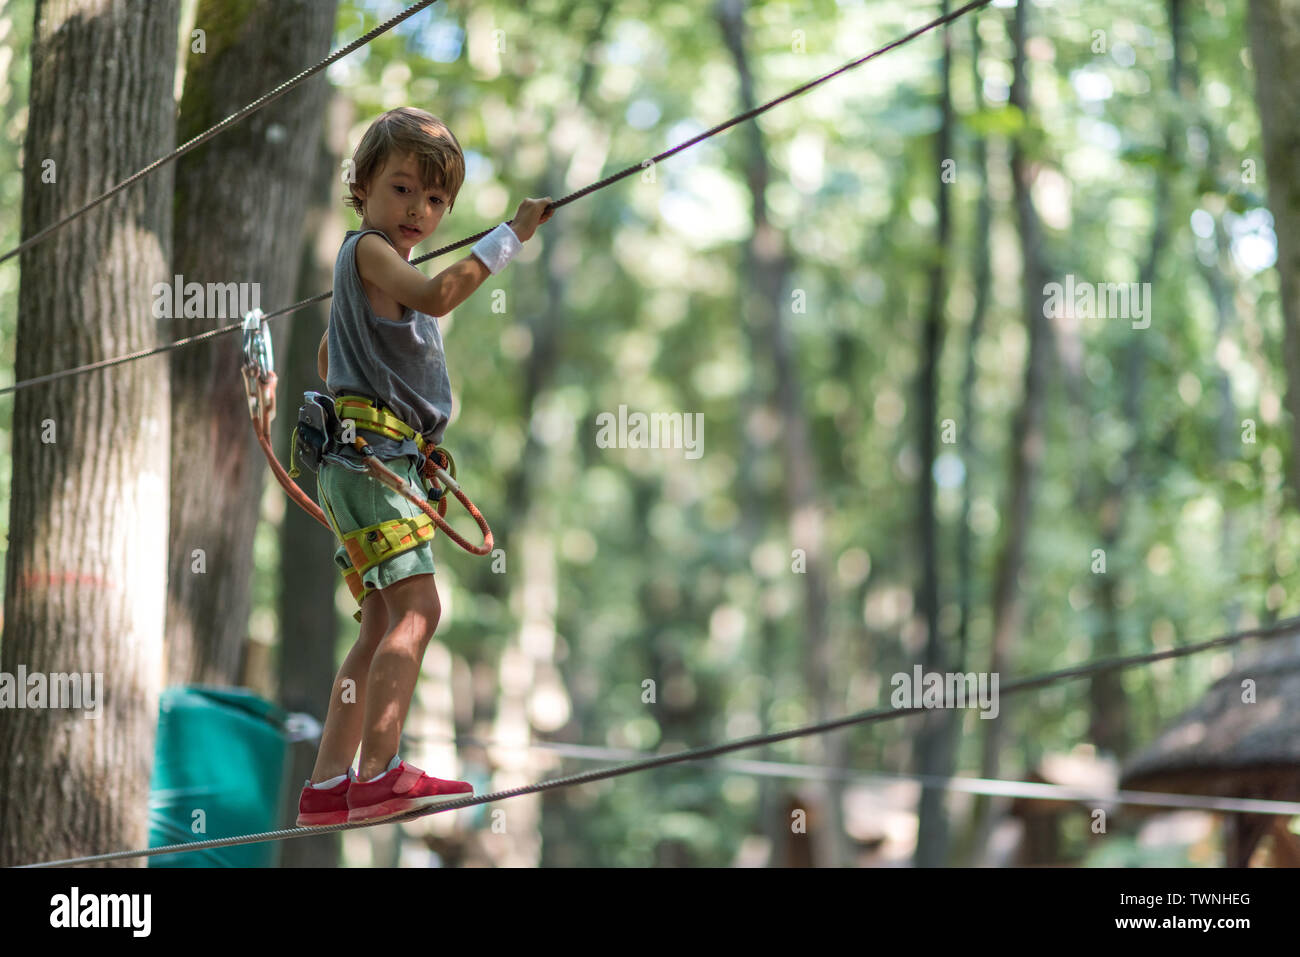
[316, 433]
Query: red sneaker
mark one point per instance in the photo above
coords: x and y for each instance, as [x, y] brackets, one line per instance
[318, 807]
[400, 789]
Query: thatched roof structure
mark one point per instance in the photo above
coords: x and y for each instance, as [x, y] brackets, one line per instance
[1226, 746]
[1229, 747]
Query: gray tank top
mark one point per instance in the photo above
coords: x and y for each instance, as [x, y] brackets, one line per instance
[402, 364]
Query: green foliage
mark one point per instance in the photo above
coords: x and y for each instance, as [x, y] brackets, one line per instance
[1005, 121]
[655, 318]
[678, 570]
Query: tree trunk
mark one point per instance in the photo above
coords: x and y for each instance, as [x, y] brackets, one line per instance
[1275, 47]
[1109, 713]
[239, 219]
[85, 571]
[934, 740]
[982, 271]
[309, 579]
[1227, 439]
[767, 268]
[530, 656]
[530, 534]
[1027, 438]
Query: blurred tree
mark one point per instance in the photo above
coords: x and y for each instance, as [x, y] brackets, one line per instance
[1109, 726]
[1028, 437]
[981, 243]
[239, 219]
[1275, 45]
[934, 742]
[87, 517]
[767, 268]
[308, 620]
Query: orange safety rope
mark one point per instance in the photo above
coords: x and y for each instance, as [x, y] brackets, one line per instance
[437, 474]
[262, 412]
[259, 386]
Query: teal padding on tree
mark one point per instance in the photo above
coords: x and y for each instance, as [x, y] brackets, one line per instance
[219, 766]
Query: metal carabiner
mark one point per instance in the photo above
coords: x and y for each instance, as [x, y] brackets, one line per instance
[259, 363]
[257, 344]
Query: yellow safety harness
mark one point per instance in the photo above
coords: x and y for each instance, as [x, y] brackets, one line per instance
[318, 431]
[367, 547]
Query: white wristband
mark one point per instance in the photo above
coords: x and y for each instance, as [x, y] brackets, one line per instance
[497, 248]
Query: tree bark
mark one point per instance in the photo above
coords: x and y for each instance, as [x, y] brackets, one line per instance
[1275, 47]
[85, 570]
[239, 219]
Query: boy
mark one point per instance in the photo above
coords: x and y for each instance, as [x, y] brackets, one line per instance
[383, 344]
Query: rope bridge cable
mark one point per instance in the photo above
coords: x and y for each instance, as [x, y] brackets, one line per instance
[225, 124]
[106, 363]
[1289, 626]
[997, 787]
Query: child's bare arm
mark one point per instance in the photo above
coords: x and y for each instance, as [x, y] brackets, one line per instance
[323, 356]
[457, 283]
[379, 264]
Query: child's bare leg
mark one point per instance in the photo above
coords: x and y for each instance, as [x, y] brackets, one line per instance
[413, 611]
[342, 734]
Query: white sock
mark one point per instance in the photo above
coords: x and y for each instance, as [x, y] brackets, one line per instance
[391, 765]
[332, 782]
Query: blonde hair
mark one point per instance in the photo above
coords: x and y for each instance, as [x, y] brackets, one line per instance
[410, 130]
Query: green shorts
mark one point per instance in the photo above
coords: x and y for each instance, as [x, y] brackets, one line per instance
[356, 501]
